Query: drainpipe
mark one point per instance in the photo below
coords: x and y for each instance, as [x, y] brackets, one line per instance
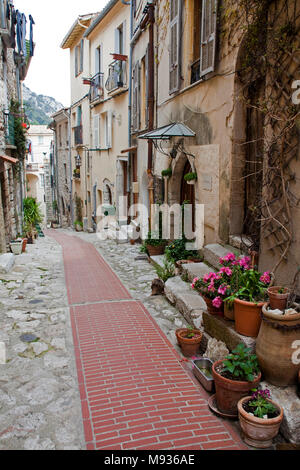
[68, 116]
[129, 102]
[151, 65]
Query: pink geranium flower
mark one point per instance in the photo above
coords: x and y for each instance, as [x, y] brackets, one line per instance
[222, 290]
[226, 270]
[245, 262]
[226, 259]
[217, 302]
[265, 278]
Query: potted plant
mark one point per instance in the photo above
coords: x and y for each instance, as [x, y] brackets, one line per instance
[154, 244]
[260, 418]
[177, 251]
[249, 290]
[32, 216]
[24, 244]
[278, 297]
[190, 178]
[166, 173]
[189, 340]
[78, 226]
[234, 377]
[16, 246]
[278, 332]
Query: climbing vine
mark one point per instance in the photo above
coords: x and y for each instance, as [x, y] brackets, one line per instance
[271, 57]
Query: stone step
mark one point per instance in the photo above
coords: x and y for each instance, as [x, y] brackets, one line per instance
[190, 271]
[187, 301]
[158, 259]
[212, 253]
[7, 260]
[223, 330]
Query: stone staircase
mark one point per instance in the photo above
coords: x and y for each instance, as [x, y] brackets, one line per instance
[193, 308]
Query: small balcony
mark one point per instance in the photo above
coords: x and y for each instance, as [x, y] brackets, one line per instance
[97, 88]
[117, 76]
[78, 135]
[32, 167]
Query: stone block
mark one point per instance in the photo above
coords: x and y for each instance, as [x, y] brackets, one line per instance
[158, 259]
[6, 262]
[290, 402]
[195, 270]
[212, 253]
[174, 286]
[223, 330]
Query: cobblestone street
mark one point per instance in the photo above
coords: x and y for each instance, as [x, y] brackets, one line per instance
[59, 392]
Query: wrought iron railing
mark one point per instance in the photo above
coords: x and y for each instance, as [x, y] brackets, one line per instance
[78, 135]
[97, 87]
[117, 75]
[195, 71]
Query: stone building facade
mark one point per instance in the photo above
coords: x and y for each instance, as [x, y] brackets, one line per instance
[61, 166]
[13, 69]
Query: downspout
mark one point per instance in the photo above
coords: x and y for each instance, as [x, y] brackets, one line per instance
[129, 102]
[68, 116]
[151, 21]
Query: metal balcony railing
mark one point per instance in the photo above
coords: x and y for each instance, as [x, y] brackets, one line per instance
[32, 167]
[117, 76]
[97, 87]
[10, 129]
[78, 135]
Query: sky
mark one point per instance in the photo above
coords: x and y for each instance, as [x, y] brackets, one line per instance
[49, 71]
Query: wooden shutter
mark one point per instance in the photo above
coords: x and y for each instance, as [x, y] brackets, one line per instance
[76, 61]
[208, 36]
[147, 86]
[96, 133]
[175, 44]
[109, 129]
[81, 55]
[135, 101]
[117, 41]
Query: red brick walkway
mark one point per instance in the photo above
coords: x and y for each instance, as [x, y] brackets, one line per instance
[135, 391]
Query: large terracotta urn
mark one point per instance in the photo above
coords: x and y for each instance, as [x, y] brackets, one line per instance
[275, 347]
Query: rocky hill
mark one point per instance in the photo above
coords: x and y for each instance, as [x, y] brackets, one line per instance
[39, 108]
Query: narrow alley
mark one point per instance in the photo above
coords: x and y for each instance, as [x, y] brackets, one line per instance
[119, 383]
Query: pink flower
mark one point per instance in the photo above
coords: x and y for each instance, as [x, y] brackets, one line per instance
[226, 259]
[245, 262]
[217, 302]
[222, 290]
[226, 270]
[265, 278]
[211, 287]
[209, 276]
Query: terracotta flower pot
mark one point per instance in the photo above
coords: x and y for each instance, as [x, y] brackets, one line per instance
[274, 349]
[229, 392]
[24, 245]
[258, 432]
[278, 301]
[211, 309]
[247, 317]
[155, 250]
[189, 346]
[228, 312]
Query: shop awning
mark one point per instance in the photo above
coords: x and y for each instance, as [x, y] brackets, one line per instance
[8, 159]
[176, 129]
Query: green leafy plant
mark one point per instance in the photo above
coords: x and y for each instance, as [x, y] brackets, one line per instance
[154, 239]
[32, 215]
[78, 222]
[176, 251]
[249, 285]
[241, 364]
[165, 272]
[19, 130]
[260, 404]
[167, 172]
[190, 176]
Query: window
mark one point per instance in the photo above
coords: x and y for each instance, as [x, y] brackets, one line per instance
[65, 172]
[136, 96]
[41, 139]
[42, 180]
[120, 34]
[204, 42]
[175, 45]
[79, 58]
[98, 58]
[208, 36]
[96, 131]
[108, 129]
[3, 6]
[144, 91]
